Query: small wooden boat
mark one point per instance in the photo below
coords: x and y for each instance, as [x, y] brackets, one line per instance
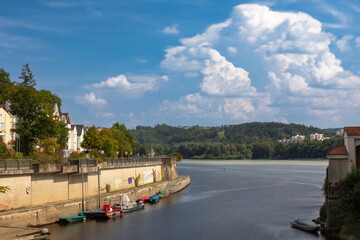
[304, 226]
[106, 212]
[70, 219]
[154, 199]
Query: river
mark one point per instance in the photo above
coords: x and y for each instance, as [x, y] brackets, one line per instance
[225, 200]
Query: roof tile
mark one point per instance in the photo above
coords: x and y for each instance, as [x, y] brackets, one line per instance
[352, 131]
[338, 150]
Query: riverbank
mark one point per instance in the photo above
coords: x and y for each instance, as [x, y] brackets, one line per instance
[50, 213]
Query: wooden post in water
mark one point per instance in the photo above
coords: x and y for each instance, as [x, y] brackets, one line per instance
[99, 186]
[82, 187]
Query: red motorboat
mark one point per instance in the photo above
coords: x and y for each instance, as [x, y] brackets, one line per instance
[145, 199]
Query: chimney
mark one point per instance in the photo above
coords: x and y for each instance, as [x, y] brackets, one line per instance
[7, 105]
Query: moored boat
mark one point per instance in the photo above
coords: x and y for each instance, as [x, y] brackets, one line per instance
[144, 199]
[128, 206]
[70, 219]
[163, 194]
[154, 199]
[304, 226]
[106, 212]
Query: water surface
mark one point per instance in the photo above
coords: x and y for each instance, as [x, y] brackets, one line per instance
[225, 200]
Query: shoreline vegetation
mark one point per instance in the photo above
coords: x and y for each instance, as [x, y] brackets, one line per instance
[256, 140]
[344, 213]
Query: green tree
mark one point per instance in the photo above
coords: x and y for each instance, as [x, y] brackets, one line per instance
[27, 77]
[26, 107]
[91, 139]
[124, 138]
[6, 85]
[108, 143]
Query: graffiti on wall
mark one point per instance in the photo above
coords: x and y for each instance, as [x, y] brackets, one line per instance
[148, 177]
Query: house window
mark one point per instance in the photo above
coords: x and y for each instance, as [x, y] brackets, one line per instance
[2, 126]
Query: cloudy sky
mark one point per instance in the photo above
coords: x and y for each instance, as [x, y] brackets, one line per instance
[190, 62]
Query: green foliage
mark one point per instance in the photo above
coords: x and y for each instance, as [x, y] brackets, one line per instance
[6, 86]
[91, 139]
[46, 96]
[346, 210]
[246, 133]
[49, 145]
[177, 156]
[75, 155]
[124, 139]
[108, 142]
[4, 189]
[244, 141]
[2, 148]
[35, 121]
[27, 77]
[221, 134]
[44, 158]
[116, 139]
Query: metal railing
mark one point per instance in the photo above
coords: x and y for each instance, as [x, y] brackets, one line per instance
[15, 164]
[88, 162]
[131, 161]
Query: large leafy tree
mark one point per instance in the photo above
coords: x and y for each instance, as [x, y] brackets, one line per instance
[35, 120]
[108, 143]
[26, 106]
[91, 139]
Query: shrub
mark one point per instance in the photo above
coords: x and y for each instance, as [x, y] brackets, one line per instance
[177, 155]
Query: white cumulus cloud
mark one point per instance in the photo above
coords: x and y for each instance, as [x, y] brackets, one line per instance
[90, 98]
[133, 83]
[173, 29]
[343, 44]
[293, 70]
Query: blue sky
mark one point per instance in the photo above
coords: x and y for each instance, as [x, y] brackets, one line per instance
[198, 62]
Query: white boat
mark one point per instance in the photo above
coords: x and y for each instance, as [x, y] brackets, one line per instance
[128, 206]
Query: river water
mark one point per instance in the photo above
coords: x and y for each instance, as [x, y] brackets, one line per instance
[225, 200]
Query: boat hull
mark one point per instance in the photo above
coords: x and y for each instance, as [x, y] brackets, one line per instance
[304, 226]
[98, 214]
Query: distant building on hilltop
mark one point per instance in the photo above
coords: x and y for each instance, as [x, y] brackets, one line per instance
[317, 136]
[340, 132]
[293, 139]
[297, 138]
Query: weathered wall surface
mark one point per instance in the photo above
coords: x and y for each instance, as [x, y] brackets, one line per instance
[18, 185]
[338, 168]
[42, 188]
[50, 213]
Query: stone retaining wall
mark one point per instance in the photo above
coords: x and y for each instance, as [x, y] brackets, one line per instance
[50, 213]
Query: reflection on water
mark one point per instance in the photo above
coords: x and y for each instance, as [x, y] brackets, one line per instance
[249, 200]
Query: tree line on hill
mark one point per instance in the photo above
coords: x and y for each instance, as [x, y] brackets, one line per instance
[245, 141]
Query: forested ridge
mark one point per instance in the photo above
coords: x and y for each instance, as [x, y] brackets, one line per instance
[244, 141]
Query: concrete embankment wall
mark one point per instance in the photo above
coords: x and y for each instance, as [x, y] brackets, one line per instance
[50, 213]
[30, 189]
